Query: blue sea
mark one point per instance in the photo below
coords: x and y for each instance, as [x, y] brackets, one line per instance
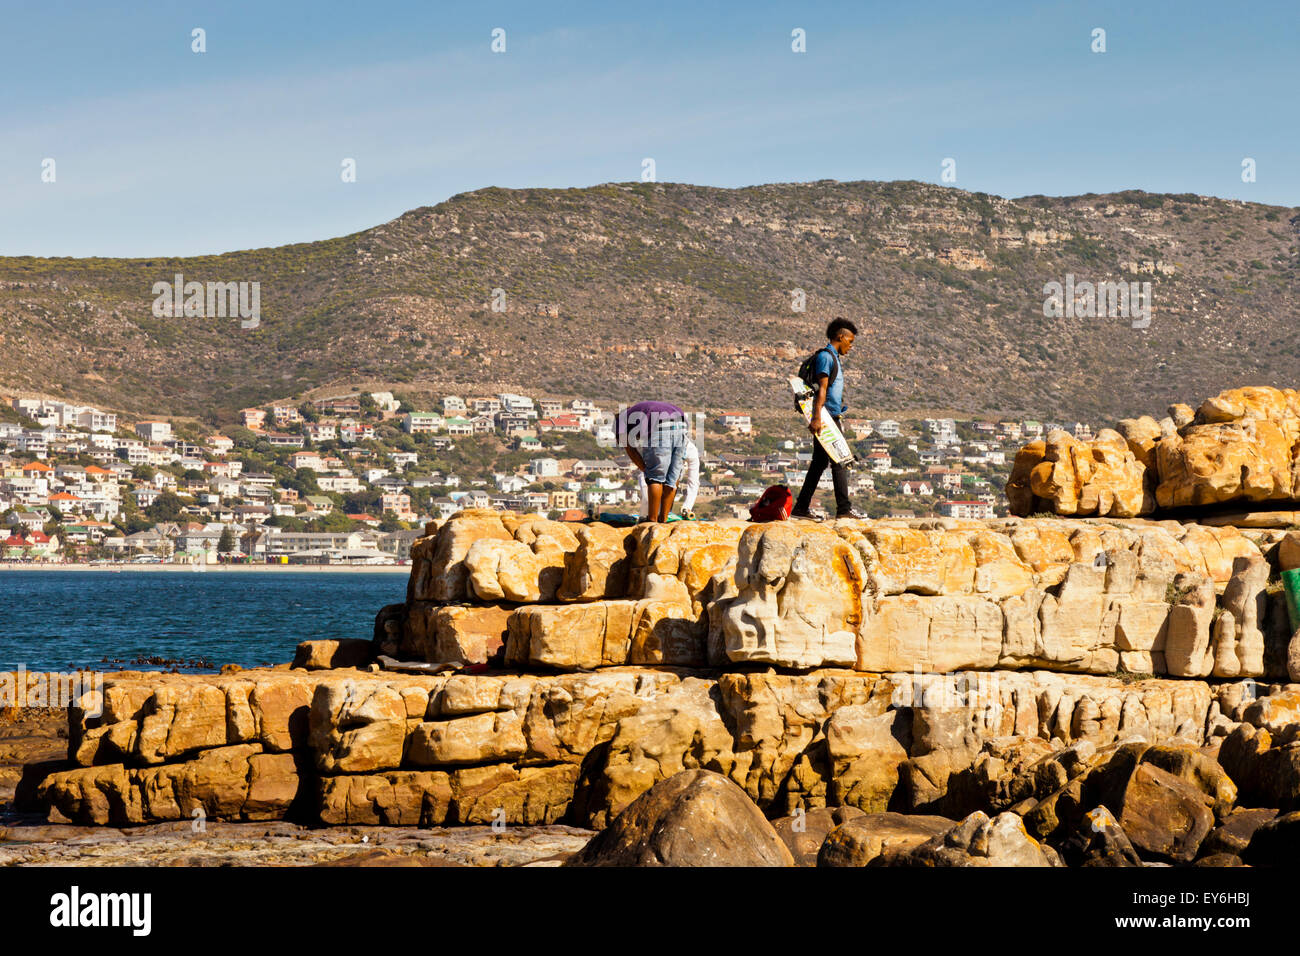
[56, 620]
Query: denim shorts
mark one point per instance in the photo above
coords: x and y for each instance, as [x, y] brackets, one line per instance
[666, 454]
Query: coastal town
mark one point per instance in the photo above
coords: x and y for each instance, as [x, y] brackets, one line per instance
[353, 479]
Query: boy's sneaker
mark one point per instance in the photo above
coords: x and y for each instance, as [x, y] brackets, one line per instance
[807, 515]
[852, 513]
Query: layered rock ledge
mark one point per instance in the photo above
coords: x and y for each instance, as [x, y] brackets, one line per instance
[934, 595]
[356, 747]
[543, 673]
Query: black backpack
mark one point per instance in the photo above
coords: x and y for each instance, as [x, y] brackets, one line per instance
[809, 364]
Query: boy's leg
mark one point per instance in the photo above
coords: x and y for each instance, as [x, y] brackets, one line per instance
[840, 478]
[666, 506]
[654, 498]
[676, 459]
[819, 461]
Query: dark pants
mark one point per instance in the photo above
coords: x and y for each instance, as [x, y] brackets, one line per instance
[839, 477]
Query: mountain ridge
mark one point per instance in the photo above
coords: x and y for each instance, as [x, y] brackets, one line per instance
[623, 291]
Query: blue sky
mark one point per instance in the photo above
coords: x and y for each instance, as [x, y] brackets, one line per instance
[160, 150]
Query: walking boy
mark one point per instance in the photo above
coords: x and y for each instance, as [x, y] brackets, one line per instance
[828, 382]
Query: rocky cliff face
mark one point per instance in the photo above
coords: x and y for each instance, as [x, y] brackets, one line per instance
[541, 672]
[349, 746]
[1075, 596]
[1240, 451]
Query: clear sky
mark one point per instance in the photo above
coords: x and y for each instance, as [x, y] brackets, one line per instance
[160, 150]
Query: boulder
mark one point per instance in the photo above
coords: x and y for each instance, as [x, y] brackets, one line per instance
[393, 798]
[468, 634]
[1266, 768]
[1233, 835]
[1099, 840]
[1164, 816]
[803, 833]
[1275, 843]
[1238, 450]
[358, 727]
[325, 655]
[1069, 476]
[606, 633]
[862, 839]
[676, 731]
[482, 738]
[231, 783]
[481, 554]
[517, 571]
[865, 755]
[597, 568]
[978, 841]
[694, 818]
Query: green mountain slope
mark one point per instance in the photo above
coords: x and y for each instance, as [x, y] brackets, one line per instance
[624, 291]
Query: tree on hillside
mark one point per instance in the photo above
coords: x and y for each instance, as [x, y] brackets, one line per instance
[226, 544]
[166, 507]
[362, 502]
[335, 522]
[241, 436]
[286, 523]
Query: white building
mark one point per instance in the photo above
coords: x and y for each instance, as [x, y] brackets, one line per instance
[511, 483]
[544, 468]
[738, 424]
[966, 509]
[385, 401]
[342, 484]
[422, 423]
[154, 431]
[92, 419]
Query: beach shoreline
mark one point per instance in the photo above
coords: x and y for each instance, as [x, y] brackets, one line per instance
[219, 568]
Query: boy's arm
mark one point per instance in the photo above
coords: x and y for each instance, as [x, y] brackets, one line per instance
[819, 402]
[635, 456]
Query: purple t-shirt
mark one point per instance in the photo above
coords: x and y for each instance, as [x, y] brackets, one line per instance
[641, 420]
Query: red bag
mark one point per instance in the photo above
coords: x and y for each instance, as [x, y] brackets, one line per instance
[775, 505]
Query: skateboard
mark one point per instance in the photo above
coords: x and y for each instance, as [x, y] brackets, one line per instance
[830, 436]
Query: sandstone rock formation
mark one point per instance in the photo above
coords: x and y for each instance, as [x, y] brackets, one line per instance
[349, 746]
[696, 818]
[924, 692]
[1079, 596]
[1241, 447]
[979, 841]
[864, 839]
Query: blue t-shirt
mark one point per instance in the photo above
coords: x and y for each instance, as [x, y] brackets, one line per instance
[827, 359]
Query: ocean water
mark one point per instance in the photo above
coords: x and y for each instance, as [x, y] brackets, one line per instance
[56, 620]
